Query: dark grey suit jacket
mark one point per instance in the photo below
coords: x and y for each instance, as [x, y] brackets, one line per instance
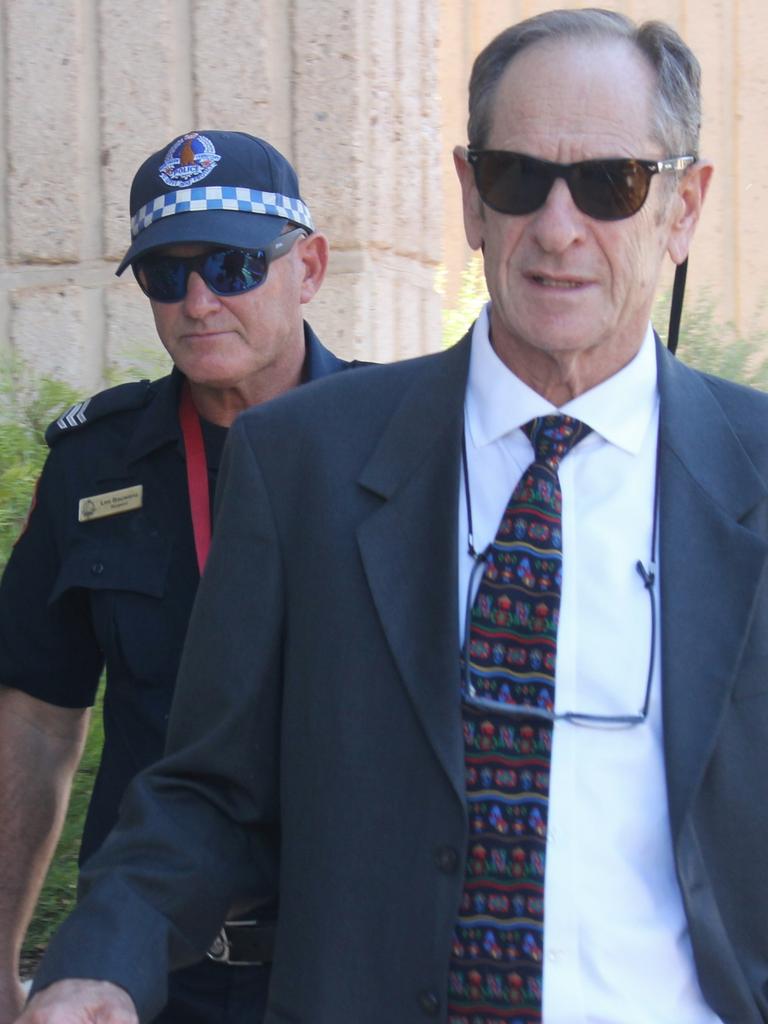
[315, 746]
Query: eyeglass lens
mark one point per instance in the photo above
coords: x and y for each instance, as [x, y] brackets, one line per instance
[164, 277]
[513, 183]
[225, 271]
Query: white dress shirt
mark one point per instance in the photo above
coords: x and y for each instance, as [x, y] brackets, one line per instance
[617, 949]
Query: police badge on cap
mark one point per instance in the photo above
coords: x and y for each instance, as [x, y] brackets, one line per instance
[190, 159]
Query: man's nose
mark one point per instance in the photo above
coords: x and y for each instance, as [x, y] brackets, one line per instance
[558, 223]
[199, 300]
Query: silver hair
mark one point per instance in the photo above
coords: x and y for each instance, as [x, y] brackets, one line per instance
[677, 105]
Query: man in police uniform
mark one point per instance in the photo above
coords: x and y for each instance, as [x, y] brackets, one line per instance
[107, 569]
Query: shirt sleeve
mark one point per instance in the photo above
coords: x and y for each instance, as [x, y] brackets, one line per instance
[47, 644]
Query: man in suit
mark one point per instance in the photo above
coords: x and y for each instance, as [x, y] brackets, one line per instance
[400, 794]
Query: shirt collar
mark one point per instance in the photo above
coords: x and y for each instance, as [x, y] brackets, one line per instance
[159, 423]
[619, 409]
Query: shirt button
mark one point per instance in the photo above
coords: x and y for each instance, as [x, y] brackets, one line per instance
[446, 859]
[430, 1003]
[97, 568]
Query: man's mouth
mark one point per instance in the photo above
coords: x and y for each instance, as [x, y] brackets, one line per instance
[547, 281]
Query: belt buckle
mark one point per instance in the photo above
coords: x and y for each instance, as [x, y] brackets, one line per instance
[220, 950]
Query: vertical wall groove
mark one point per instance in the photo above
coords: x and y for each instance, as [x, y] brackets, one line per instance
[5, 326]
[735, 254]
[185, 108]
[291, 16]
[278, 118]
[91, 198]
[4, 92]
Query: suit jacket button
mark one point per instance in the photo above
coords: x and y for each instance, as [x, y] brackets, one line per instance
[430, 1003]
[446, 859]
[97, 568]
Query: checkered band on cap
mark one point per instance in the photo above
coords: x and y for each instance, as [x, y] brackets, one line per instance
[221, 197]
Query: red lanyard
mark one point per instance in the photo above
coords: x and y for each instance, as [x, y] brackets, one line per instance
[197, 475]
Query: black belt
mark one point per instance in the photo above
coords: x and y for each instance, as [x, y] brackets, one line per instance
[244, 944]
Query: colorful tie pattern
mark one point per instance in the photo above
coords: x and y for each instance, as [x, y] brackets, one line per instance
[496, 961]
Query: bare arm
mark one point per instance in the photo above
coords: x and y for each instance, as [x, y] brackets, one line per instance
[40, 746]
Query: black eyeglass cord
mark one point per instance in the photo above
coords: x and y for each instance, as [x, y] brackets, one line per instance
[647, 574]
[676, 309]
[471, 549]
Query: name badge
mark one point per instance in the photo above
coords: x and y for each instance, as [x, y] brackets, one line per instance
[110, 504]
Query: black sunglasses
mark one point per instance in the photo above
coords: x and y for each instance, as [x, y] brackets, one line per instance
[612, 189]
[163, 277]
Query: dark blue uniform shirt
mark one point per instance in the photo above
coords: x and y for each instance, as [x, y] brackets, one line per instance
[117, 591]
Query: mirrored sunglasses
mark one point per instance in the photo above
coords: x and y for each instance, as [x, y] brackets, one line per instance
[514, 183]
[164, 277]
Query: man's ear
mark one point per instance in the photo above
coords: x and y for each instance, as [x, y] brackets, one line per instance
[313, 253]
[471, 201]
[688, 202]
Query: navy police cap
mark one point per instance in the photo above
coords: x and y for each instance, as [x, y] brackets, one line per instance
[222, 188]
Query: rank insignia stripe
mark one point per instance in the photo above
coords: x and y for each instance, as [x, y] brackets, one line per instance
[111, 503]
[74, 416]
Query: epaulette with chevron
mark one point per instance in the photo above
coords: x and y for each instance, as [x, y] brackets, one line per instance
[117, 399]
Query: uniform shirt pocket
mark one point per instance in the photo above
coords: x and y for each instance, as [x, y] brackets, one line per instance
[138, 564]
[139, 626]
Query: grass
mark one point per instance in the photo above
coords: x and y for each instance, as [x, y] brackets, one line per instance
[23, 419]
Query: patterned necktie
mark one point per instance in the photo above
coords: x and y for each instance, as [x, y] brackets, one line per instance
[496, 960]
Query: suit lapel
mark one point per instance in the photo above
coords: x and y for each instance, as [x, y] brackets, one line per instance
[710, 570]
[409, 547]
[711, 564]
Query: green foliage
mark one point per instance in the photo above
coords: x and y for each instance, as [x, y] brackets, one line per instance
[23, 420]
[470, 300]
[715, 347]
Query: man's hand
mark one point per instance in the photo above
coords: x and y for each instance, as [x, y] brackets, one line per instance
[80, 1001]
[12, 999]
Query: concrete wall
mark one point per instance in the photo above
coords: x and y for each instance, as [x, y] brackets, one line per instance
[88, 88]
[367, 97]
